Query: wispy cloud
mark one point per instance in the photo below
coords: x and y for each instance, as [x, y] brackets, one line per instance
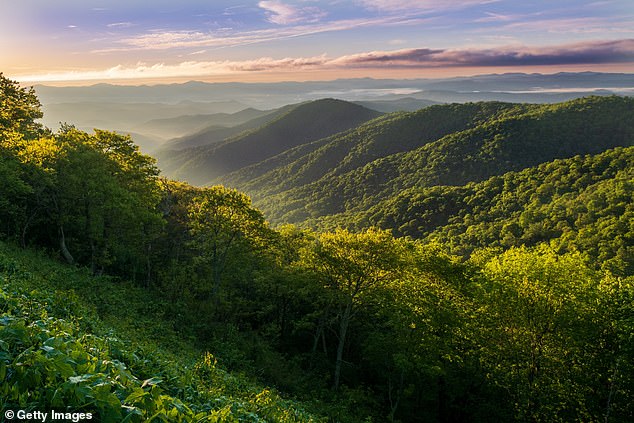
[419, 5]
[497, 17]
[285, 14]
[120, 25]
[604, 52]
[164, 40]
[190, 69]
[140, 71]
[583, 25]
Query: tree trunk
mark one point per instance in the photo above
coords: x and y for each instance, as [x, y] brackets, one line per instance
[93, 254]
[148, 264]
[319, 333]
[26, 227]
[343, 328]
[62, 246]
[399, 390]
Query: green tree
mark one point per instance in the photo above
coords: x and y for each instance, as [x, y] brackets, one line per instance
[19, 109]
[350, 266]
[224, 225]
[544, 321]
[100, 207]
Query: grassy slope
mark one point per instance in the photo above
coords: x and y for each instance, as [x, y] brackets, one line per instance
[106, 347]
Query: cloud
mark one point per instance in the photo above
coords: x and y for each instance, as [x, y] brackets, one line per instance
[285, 64]
[573, 25]
[120, 25]
[164, 40]
[140, 71]
[190, 69]
[419, 5]
[497, 17]
[285, 14]
[598, 52]
[602, 52]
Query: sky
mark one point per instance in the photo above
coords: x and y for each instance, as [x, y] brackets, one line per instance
[66, 42]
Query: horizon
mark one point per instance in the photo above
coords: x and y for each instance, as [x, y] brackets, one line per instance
[75, 42]
[149, 84]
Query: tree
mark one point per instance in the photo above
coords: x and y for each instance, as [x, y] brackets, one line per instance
[14, 192]
[19, 109]
[99, 207]
[350, 266]
[224, 224]
[544, 323]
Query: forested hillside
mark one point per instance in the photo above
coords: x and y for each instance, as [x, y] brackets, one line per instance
[297, 126]
[138, 298]
[344, 152]
[584, 203]
[357, 173]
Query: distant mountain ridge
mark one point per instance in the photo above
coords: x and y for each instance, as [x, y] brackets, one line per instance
[188, 124]
[301, 124]
[130, 108]
[215, 132]
[289, 92]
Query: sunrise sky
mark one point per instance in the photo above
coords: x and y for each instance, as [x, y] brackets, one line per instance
[126, 41]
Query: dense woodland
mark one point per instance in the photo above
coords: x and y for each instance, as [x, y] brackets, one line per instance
[496, 288]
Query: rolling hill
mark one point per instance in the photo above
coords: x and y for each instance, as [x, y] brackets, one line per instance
[404, 104]
[343, 152]
[217, 129]
[348, 173]
[188, 124]
[583, 203]
[301, 124]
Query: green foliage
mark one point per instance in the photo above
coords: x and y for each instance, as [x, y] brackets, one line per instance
[94, 196]
[19, 109]
[341, 153]
[549, 336]
[57, 352]
[353, 266]
[224, 227]
[583, 203]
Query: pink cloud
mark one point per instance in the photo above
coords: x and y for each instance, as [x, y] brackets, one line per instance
[598, 52]
[285, 14]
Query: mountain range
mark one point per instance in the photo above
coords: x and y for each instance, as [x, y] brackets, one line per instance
[298, 125]
[354, 170]
[162, 112]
